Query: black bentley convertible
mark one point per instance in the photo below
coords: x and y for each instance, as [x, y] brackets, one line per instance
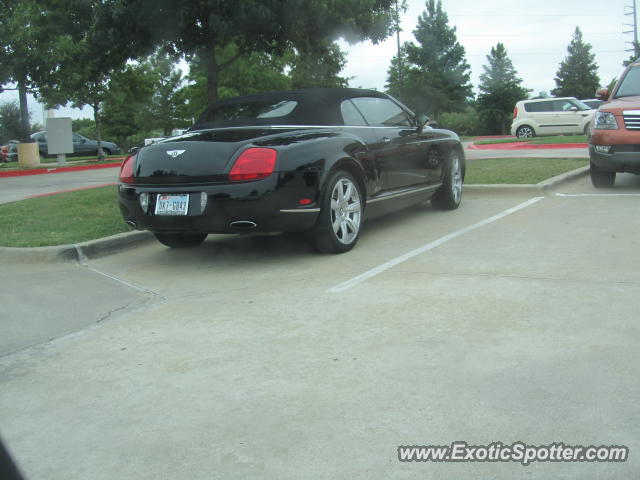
[319, 160]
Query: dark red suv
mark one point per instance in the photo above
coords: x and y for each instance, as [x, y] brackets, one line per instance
[614, 145]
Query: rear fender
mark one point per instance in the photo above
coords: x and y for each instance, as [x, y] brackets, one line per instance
[323, 156]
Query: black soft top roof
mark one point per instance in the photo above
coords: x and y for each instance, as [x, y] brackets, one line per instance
[315, 106]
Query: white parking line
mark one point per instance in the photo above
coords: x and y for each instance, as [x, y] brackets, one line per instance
[425, 248]
[577, 195]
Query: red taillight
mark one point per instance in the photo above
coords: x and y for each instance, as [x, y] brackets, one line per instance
[253, 164]
[126, 170]
[515, 113]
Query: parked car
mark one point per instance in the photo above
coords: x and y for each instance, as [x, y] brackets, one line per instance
[82, 146]
[551, 116]
[615, 141]
[593, 103]
[317, 160]
[9, 152]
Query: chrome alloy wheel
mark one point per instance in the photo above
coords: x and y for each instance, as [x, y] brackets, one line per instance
[456, 178]
[525, 132]
[346, 211]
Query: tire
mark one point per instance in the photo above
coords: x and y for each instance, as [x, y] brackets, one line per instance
[525, 131]
[587, 131]
[449, 196]
[600, 178]
[341, 215]
[106, 151]
[181, 240]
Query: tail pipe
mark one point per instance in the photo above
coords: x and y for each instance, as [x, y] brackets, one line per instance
[243, 225]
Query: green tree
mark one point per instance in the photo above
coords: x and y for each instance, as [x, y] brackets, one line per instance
[578, 72]
[127, 103]
[634, 56]
[10, 124]
[436, 75]
[84, 126]
[500, 89]
[397, 74]
[253, 73]
[166, 82]
[21, 51]
[320, 68]
[206, 27]
[88, 41]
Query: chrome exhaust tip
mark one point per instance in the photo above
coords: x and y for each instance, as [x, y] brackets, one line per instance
[243, 225]
[132, 224]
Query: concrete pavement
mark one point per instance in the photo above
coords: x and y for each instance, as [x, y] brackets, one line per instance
[238, 361]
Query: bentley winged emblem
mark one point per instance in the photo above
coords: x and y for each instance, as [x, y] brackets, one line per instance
[175, 153]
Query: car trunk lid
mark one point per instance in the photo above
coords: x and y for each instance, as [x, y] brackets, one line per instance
[196, 157]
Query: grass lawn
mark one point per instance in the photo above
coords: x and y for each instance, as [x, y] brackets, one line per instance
[537, 140]
[60, 219]
[519, 170]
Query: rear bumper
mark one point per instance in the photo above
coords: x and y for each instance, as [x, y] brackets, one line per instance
[271, 204]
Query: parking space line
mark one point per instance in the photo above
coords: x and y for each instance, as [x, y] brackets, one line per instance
[578, 195]
[425, 248]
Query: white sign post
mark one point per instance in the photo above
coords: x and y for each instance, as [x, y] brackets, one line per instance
[59, 138]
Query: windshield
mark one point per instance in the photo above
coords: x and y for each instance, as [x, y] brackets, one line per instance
[630, 84]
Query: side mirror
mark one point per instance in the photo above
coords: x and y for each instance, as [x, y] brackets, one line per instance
[574, 109]
[422, 120]
[602, 94]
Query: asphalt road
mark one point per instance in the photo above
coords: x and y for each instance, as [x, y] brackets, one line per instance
[511, 319]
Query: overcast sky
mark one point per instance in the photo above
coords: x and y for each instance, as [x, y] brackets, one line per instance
[535, 34]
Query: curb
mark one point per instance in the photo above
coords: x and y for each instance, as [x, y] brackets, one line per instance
[533, 188]
[44, 171]
[78, 252]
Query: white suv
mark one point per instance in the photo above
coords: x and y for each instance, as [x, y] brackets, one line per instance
[551, 116]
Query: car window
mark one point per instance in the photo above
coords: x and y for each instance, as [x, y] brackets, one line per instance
[351, 115]
[278, 110]
[248, 110]
[77, 138]
[563, 106]
[40, 137]
[539, 106]
[382, 112]
[630, 84]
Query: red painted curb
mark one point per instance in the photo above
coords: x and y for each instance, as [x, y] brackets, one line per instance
[525, 146]
[42, 171]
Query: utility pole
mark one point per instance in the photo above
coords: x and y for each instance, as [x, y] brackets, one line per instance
[630, 10]
[400, 83]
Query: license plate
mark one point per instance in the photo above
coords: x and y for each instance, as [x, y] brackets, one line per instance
[172, 204]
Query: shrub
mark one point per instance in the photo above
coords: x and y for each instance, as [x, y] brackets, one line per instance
[466, 123]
